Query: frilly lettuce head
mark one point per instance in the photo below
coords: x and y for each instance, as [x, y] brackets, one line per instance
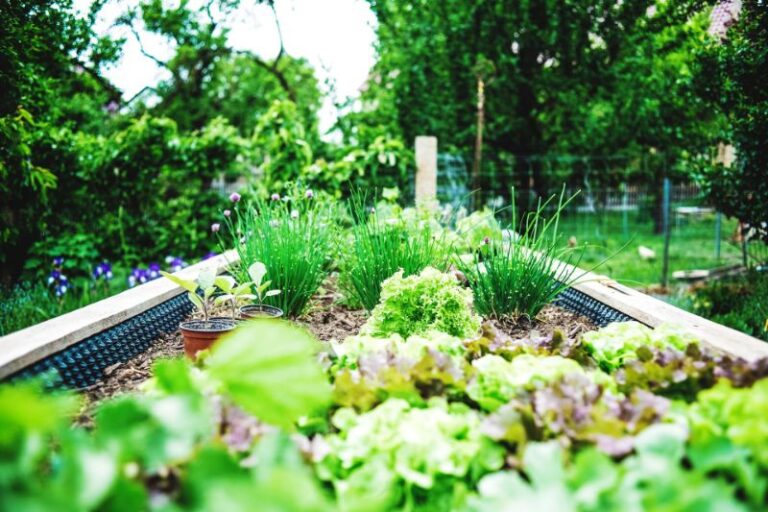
[498, 380]
[405, 446]
[420, 303]
[736, 416]
[618, 342]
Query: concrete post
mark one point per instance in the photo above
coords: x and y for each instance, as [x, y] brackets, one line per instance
[426, 168]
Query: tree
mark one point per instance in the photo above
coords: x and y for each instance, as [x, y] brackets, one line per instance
[732, 75]
[50, 62]
[208, 77]
[570, 76]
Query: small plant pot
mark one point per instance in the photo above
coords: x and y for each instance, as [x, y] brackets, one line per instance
[227, 319]
[260, 311]
[201, 334]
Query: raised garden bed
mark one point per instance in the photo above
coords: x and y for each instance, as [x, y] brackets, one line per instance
[420, 404]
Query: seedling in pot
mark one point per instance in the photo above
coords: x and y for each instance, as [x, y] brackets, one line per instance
[201, 334]
[234, 294]
[205, 281]
[257, 272]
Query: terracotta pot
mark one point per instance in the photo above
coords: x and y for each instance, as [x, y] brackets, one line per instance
[260, 311]
[201, 334]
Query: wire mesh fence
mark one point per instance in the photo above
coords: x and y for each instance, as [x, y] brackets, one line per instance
[618, 210]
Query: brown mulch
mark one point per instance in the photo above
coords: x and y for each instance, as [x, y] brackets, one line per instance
[330, 320]
[550, 318]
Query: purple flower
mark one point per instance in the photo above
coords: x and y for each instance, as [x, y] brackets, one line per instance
[58, 282]
[111, 107]
[309, 194]
[486, 241]
[210, 255]
[227, 213]
[153, 272]
[234, 197]
[174, 263]
[58, 261]
[215, 227]
[275, 197]
[102, 271]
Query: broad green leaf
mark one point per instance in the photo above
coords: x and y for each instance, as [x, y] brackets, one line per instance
[190, 286]
[221, 299]
[245, 287]
[257, 271]
[225, 283]
[268, 369]
[206, 278]
[196, 300]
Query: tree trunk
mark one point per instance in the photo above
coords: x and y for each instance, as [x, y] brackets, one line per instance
[477, 162]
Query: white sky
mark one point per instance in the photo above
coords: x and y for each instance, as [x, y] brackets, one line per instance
[335, 36]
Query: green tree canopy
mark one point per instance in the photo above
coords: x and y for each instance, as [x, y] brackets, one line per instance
[570, 76]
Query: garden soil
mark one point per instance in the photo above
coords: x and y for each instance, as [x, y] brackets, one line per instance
[328, 320]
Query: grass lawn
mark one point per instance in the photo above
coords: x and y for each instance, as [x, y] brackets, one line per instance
[692, 245]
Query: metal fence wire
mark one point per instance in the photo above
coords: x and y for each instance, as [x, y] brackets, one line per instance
[640, 201]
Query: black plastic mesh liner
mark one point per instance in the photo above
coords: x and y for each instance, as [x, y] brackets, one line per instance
[83, 363]
[583, 304]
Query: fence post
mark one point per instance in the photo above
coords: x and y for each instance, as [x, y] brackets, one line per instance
[667, 229]
[426, 168]
[718, 228]
[624, 210]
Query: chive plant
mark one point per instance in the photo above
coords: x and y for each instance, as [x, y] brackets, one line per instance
[518, 277]
[292, 239]
[380, 248]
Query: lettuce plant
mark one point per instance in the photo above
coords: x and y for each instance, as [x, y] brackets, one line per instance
[381, 458]
[619, 342]
[431, 300]
[498, 380]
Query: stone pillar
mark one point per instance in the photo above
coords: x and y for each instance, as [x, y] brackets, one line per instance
[426, 168]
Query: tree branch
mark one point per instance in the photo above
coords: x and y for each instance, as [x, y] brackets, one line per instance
[279, 34]
[272, 68]
[115, 94]
[144, 52]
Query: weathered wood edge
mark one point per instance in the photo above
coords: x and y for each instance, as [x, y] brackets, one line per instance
[28, 346]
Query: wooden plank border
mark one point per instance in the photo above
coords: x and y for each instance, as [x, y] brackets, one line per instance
[28, 346]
